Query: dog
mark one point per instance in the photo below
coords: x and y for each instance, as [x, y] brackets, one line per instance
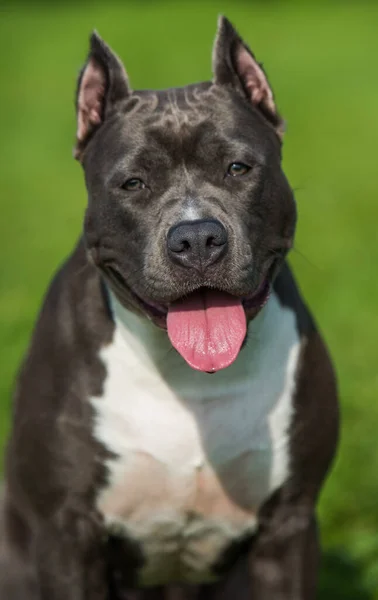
[176, 414]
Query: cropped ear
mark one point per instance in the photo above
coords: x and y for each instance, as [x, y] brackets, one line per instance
[234, 64]
[102, 84]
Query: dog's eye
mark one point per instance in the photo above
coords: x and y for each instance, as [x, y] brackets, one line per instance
[237, 168]
[133, 184]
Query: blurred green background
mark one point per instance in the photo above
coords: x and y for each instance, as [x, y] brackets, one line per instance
[322, 59]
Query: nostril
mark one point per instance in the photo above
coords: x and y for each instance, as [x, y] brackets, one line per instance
[178, 239]
[215, 241]
[179, 246]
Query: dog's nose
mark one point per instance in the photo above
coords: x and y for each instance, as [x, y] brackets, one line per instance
[197, 244]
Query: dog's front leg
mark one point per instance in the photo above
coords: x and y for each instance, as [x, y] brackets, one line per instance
[71, 560]
[284, 559]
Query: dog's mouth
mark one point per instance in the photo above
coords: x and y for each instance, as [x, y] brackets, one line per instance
[207, 326]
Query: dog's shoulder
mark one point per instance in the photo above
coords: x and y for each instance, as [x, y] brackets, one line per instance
[73, 324]
[60, 371]
[75, 304]
[74, 318]
[314, 430]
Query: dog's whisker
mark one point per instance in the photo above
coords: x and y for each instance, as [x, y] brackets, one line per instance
[305, 258]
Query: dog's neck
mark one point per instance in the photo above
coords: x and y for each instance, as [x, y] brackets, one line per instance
[151, 346]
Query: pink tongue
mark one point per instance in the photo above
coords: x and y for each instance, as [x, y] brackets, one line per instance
[207, 329]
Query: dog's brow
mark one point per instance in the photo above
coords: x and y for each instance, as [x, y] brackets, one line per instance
[117, 169]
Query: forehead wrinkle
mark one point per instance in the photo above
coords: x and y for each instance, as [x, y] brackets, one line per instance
[176, 113]
[179, 110]
[141, 102]
[179, 116]
[147, 105]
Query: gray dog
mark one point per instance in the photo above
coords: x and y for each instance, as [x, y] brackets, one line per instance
[130, 471]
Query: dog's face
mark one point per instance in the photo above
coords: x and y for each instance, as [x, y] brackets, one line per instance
[189, 214]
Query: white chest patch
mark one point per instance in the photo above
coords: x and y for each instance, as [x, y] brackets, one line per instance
[195, 454]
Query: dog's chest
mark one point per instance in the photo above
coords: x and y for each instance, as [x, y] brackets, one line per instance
[194, 455]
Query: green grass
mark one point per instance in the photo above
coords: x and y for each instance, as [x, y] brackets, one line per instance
[322, 60]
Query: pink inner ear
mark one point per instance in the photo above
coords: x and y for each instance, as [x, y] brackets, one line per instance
[254, 79]
[90, 99]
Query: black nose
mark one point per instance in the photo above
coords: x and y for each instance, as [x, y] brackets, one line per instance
[197, 244]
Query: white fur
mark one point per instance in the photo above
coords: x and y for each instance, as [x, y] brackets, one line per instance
[191, 213]
[195, 454]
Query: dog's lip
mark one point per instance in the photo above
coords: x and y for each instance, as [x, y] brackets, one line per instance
[255, 300]
[157, 312]
[252, 304]
[118, 280]
[259, 298]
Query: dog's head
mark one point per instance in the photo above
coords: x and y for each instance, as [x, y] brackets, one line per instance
[189, 214]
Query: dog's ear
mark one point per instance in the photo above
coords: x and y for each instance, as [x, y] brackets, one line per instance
[102, 84]
[234, 64]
